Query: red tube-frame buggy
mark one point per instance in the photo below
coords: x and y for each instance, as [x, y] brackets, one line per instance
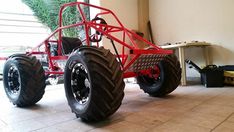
[93, 76]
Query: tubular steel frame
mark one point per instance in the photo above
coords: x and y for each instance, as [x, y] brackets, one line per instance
[126, 35]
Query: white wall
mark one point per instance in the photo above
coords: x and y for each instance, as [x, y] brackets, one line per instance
[203, 20]
[126, 11]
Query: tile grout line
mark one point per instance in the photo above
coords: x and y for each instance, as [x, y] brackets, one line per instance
[174, 117]
[203, 102]
[148, 130]
[3, 122]
[115, 121]
[162, 122]
[52, 125]
[34, 118]
[222, 122]
[190, 110]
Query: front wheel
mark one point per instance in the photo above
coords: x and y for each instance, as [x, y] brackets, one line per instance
[167, 81]
[24, 80]
[93, 83]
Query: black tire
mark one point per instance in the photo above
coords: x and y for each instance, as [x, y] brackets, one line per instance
[168, 80]
[99, 91]
[24, 80]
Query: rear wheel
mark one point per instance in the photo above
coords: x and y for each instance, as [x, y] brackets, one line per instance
[24, 80]
[167, 81]
[93, 83]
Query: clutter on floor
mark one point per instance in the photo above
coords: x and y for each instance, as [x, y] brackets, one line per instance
[213, 75]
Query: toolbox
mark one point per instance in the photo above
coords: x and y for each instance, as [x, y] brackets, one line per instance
[211, 75]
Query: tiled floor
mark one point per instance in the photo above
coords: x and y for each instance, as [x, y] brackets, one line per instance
[188, 109]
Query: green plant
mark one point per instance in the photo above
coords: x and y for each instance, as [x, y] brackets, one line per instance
[47, 12]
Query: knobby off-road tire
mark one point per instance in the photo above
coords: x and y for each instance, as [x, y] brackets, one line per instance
[24, 80]
[94, 83]
[168, 80]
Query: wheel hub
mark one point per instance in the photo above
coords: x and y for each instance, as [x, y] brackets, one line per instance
[13, 80]
[80, 83]
[153, 73]
[53, 80]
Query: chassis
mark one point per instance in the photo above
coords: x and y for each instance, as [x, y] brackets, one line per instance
[93, 76]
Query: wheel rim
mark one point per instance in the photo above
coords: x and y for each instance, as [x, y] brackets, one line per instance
[53, 80]
[80, 84]
[14, 80]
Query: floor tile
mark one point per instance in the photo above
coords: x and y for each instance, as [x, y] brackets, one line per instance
[57, 118]
[223, 111]
[190, 108]
[68, 126]
[121, 127]
[200, 119]
[16, 116]
[26, 126]
[145, 119]
[178, 127]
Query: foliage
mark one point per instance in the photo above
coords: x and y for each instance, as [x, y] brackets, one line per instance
[47, 12]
